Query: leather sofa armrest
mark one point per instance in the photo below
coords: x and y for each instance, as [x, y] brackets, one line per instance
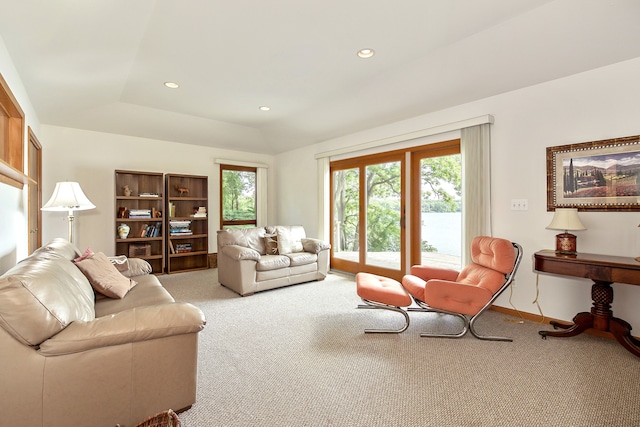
[239, 253]
[137, 324]
[314, 245]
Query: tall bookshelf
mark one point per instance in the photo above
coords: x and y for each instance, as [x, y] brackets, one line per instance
[187, 222]
[139, 204]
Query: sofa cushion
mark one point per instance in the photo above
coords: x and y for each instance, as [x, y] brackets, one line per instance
[148, 291]
[248, 237]
[302, 258]
[59, 248]
[272, 262]
[104, 276]
[41, 295]
[290, 239]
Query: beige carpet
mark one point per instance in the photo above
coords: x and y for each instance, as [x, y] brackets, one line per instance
[297, 356]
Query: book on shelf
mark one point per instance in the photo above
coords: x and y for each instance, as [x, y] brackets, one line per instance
[149, 195]
[139, 213]
[182, 248]
[151, 230]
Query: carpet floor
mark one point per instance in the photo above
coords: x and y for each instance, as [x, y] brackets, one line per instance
[298, 356]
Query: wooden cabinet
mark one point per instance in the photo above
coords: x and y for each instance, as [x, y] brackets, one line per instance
[186, 222]
[139, 210]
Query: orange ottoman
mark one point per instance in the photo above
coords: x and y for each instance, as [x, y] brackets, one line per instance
[385, 293]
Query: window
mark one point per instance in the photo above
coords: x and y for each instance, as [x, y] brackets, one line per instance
[11, 138]
[238, 193]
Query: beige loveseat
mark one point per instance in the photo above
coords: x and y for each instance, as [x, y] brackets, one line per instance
[261, 258]
[71, 357]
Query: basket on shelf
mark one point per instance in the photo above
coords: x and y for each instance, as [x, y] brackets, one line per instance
[163, 419]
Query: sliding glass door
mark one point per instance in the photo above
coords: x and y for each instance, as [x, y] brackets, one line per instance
[368, 215]
[370, 231]
[436, 226]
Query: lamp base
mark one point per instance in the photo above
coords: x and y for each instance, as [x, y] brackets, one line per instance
[566, 244]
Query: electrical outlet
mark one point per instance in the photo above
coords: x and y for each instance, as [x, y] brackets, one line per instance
[519, 204]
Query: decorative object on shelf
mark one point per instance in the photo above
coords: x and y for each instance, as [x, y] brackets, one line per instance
[182, 190]
[68, 196]
[123, 231]
[596, 175]
[122, 212]
[199, 212]
[126, 190]
[566, 219]
[139, 250]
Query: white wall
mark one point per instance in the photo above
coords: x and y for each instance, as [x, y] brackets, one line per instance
[91, 158]
[13, 201]
[596, 105]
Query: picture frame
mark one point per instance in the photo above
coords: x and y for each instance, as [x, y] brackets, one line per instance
[595, 176]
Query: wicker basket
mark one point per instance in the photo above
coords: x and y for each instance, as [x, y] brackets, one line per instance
[162, 419]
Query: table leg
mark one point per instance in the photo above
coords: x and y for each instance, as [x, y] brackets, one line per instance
[598, 318]
[581, 322]
[621, 330]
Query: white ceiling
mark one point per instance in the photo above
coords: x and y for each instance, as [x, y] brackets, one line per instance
[101, 64]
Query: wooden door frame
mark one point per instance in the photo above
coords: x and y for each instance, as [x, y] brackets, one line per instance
[37, 184]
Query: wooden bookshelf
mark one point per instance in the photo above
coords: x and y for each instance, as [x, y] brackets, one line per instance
[187, 242]
[146, 234]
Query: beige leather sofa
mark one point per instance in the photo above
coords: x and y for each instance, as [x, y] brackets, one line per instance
[261, 258]
[69, 358]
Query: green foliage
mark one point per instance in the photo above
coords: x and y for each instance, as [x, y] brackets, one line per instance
[238, 195]
[442, 187]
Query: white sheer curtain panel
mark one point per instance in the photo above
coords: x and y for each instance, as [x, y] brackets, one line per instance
[475, 148]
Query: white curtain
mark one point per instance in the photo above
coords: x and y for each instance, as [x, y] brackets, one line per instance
[324, 198]
[475, 148]
[262, 198]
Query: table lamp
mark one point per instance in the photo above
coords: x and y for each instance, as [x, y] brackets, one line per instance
[566, 219]
[68, 196]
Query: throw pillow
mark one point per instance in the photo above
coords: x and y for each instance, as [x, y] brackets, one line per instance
[104, 277]
[271, 244]
[287, 243]
[86, 254]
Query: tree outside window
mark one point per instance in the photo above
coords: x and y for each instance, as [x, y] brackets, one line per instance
[238, 196]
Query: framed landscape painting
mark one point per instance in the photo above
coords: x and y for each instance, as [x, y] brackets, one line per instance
[596, 176]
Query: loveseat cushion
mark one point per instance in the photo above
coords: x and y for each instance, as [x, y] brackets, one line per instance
[252, 238]
[302, 258]
[40, 296]
[289, 237]
[272, 262]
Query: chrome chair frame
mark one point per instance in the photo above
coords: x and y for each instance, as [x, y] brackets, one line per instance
[376, 305]
[469, 321]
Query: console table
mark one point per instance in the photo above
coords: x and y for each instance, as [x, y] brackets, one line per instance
[603, 270]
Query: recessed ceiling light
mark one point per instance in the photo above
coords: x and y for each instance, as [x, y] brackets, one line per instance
[365, 53]
[172, 85]
[265, 108]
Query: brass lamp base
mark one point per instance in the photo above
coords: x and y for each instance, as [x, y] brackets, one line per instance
[566, 243]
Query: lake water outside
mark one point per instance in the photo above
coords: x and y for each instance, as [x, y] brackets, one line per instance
[444, 231]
